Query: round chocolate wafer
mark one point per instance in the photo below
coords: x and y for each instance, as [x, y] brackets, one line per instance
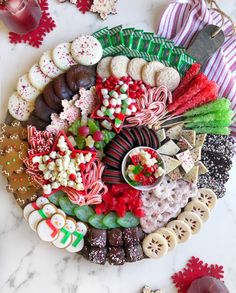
[42, 110]
[61, 88]
[51, 99]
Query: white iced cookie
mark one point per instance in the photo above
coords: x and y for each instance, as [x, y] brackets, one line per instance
[119, 66]
[77, 243]
[104, 68]
[155, 245]
[181, 230]
[59, 211]
[135, 68]
[47, 65]
[193, 220]
[150, 71]
[207, 196]
[86, 50]
[19, 108]
[168, 77]
[37, 78]
[36, 216]
[198, 208]
[170, 237]
[26, 90]
[48, 230]
[34, 206]
[62, 57]
[64, 238]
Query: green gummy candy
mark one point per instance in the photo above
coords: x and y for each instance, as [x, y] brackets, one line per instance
[108, 136]
[83, 213]
[137, 169]
[93, 126]
[96, 221]
[74, 127]
[218, 105]
[80, 142]
[66, 205]
[110, 220]
[213, 130]
[128, 221]
[54, 198]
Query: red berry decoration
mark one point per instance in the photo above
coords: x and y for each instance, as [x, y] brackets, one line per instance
[72, 177]
[98, 136]
[84, 131]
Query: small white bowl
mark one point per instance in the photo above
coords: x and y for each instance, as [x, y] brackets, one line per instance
[124, 166]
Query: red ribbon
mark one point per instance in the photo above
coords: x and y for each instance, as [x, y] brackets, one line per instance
[52, 227]
[35, 206]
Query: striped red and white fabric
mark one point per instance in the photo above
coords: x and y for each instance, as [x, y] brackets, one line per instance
[182, 20]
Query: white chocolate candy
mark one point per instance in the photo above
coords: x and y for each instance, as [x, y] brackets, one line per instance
[69, 228]
[19, 108]
[26, 90]
[47, 65]
[49, 230]
[36, 216]
[37, 78]
[62, 57]
[29, 208]
[86, 50]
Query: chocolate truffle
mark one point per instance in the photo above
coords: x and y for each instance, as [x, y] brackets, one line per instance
[114, 237]
[134, 253]
[98, 255]
[131, 236]
[97, 237]
[116, 256]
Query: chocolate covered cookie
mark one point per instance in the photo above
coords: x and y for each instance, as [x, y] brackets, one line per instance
[42, 110]
[37, 122]
[61, 88]
[51, 99]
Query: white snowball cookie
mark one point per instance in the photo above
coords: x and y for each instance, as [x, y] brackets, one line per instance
[168, 77]
[25, 89]
[47, 65]
[37, 78]
[86, 50]
[135, 68]
[19, 108]
[62, 57]
[119, 66]
[104, 68]
[150, 71]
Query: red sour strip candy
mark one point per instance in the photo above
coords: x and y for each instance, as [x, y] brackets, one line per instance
[206, 95]
[195, 86]
[189, 75]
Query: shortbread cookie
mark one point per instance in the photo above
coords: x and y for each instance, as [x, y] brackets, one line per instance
[150, 71]
[198, 208]
[207, 196]
[37, 78]
[26, 90]
[135, 68]
[104, 68]
[168, 77]
[19, 108]
[193, 220]
[62, 57]
[155, 245]
[47, 65]
[181, 230]
[170, 237]
[119, 66]
[86, 50]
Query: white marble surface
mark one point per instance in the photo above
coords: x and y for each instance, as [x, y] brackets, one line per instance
[29, 265]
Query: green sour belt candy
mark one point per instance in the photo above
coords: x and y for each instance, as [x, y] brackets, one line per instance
[218, 105]
[220, 115]
[96, 221]
[216, 123]
[128, 221]
[66, 205]
[185, 63]
[83, 213]
[213, 130]
[110, 220]
[54, 198]
[155, 46]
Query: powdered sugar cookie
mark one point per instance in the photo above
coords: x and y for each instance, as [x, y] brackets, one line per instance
[62, 57]
[150, 71]
[37, 78]
[25, 89]
[19, 108]
[155, 245]
[119, 66]
[47, 65]
[135, 68]
[168, 77]
[103, 68]
[86, 50]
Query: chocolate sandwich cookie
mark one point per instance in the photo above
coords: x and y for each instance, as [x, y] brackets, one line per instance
[51, 99]
[147, 136]
[123, 142]
[128, 135]
[111, 152]
[140, 141]
[112, 163]
[42, 110]
[155, 142]
[37, 122]
[79, 76]
[61, 88]
[122, 149]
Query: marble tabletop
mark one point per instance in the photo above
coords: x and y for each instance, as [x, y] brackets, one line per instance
[29, 265]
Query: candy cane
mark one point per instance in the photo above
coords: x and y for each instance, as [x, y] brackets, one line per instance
[152, 107]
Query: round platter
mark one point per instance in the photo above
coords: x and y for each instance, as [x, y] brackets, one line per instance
[88, 104]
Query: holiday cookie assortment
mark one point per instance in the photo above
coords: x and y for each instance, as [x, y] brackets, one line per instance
[116, 146]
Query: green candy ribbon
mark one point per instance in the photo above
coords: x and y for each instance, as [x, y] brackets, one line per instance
[79, 237]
